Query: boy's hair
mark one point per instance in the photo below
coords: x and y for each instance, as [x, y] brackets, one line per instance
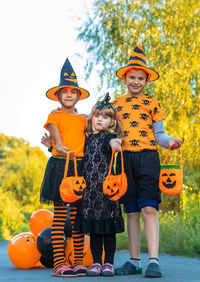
[115, 126]
[58, 92]
[124, 76]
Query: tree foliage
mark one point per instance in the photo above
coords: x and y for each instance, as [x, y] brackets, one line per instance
[21, 173]
[169, 34]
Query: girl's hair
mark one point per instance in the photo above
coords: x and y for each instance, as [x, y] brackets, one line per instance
[115, 125]
[58, 92]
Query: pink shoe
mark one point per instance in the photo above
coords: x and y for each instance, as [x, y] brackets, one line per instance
[107, 269]
[64, 271]
[80, 270]
[94, 270]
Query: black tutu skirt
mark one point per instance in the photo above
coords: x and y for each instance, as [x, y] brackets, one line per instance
[104, 226]
[54, 173]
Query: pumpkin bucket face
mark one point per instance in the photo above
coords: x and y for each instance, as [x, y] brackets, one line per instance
[72, 187]
[79, 185]
[171, 179]
[115, 186]
[112, 188]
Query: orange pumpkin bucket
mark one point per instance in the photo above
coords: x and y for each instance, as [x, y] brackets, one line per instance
[115, 186]
[72, 187]
[171, 176]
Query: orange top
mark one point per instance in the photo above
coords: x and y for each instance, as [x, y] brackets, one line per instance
[137, 115]
[71, 128]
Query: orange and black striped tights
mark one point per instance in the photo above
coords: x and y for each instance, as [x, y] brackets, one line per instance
[57, 237]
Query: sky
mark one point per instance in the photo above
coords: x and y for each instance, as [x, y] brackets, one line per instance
[36, 38]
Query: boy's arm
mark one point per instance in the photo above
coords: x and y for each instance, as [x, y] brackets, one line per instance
[163, 139]
[53, 129]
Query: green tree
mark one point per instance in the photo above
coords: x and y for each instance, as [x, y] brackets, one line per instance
[21, 172]
[169, 34]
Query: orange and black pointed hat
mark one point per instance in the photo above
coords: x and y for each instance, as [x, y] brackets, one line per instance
[68, 78]
[137, 60]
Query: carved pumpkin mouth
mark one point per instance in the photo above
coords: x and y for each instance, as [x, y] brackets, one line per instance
[78, 193]
[110, 196]
[169, 185]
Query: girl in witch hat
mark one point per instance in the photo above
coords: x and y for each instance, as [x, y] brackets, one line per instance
[97, 215]
[142, 120]
[67, 133]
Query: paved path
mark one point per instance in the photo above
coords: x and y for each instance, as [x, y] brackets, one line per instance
[175, 269]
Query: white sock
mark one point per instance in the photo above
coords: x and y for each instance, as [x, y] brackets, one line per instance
[135, 262]
[153, 260]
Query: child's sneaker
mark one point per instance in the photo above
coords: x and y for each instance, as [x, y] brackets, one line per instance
[153, 270]
[107, 269]
[80, 270]
[64, 271]
[94, 270]
[128, 269]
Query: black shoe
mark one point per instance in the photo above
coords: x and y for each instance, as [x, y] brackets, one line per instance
[153, 270]
[127, 269]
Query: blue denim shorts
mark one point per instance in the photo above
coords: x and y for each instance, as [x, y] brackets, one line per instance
[139, 204]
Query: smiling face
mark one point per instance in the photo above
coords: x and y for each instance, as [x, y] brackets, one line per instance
[135, 80]
[168, 180]
[68, 97]
[100, 122]
[171, 179]
[79, 186]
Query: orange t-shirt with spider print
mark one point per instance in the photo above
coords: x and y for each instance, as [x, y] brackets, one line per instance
[137, 115]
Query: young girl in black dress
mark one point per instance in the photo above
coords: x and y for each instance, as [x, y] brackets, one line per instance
[99, 216]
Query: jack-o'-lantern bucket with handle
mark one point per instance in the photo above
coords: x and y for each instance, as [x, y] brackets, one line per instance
[72, 187]
[115, 186]
[171, 176]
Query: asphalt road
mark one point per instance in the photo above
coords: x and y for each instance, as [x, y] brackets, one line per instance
[174, 269]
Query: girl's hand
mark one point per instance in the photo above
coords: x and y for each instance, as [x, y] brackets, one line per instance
[72, 154]
[115, 144]
[56, 111]
[62, 149]
[175, 143]
[46, 140]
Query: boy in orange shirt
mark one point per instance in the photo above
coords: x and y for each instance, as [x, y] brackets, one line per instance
[67, 133]
[141, 117]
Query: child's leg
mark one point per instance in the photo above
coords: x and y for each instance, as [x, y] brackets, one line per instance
[109, 247]
[134, 229]
[133, 265]
[78, 239]
[151, 227]
[96, 246]
[57, 236]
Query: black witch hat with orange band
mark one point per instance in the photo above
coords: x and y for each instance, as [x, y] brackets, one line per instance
[68, 78]
[137, 60]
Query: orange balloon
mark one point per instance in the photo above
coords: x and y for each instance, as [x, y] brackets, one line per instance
[20, 234]
[87, 255]
[40, 220]
[22, 251]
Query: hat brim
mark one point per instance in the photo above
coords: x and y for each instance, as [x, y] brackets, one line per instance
[153, 74]
[51, 92]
